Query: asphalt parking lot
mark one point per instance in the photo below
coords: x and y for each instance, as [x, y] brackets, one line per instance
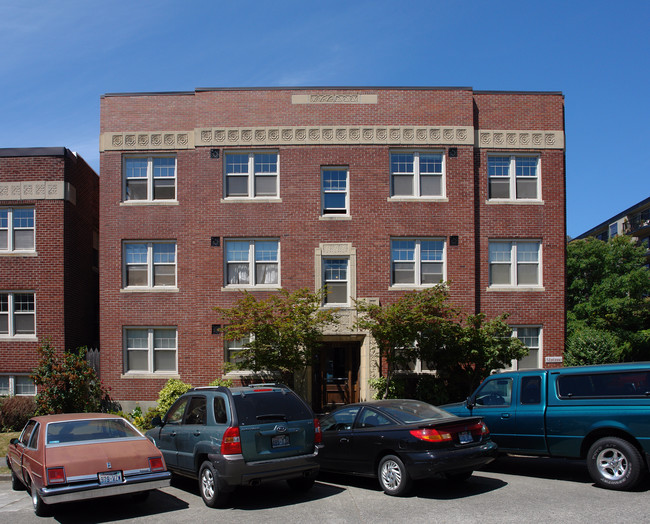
[514, 489]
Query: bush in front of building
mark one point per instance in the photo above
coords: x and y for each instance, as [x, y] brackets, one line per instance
[15, 412]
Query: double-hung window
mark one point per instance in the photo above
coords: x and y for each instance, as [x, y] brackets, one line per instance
[17, 314]
[150, 350]
[514, 263]
[418, 262]
[417, 174]
[514, 177]
[16, 229]
[336, 280]
[335, 197]
[150, 178]
[11, 385]
[233, 347]
[149, 264]
[251, 175]
[252, 263]
[531, 337]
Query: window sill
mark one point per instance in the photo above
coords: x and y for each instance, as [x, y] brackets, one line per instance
[149, 290]
[410, 287]
[144, 375]
[517, 289]
[18, 254]
[520, 202]
[128, 203]
[417, 199]
[334, 217]
[251, 200]
[19, 338]
[252, 288]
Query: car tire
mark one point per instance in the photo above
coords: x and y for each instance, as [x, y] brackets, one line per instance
[301, 484]
[16, 484]
[393, 477]
[40, 508]
[209, 486]
[614, 463]
[459, 477]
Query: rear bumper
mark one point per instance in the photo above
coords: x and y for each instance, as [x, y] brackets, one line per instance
[431, 463]
[89, 490]
[233, 470]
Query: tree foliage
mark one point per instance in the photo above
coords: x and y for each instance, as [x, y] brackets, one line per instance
[67, 383]
[607, 298]
[283, 330]
[422, 325]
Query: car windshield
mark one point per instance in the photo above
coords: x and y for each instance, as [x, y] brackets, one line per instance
[88, 430]
[413, 411]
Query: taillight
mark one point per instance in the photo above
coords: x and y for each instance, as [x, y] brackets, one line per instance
[56, 476]
[431, 435]
[485, 431]
[318, 434]
[156, 464]
[231, 443]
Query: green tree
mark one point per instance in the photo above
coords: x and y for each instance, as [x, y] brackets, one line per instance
[607, 292]
[67, 383]
[422, 325]
[282, 331]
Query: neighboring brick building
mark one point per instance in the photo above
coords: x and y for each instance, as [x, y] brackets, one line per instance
[49, 283]
[372, 190]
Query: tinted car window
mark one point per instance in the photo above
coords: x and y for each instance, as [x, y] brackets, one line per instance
[409, 412]
[341, 419]
[497, 392]
[531, 390]
[255, 408]
[371, 419]
[604, 385]
[176, 412]
[220, 415]
[196, 411]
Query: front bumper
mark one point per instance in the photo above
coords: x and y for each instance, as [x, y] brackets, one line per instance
[89, 490]
[451, 460]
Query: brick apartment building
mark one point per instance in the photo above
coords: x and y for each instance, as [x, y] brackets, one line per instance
[49, 282]
[372, 191]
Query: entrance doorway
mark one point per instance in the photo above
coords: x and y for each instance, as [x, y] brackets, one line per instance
[336, 377]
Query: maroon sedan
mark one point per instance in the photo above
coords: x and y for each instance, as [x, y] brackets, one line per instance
[63, 458]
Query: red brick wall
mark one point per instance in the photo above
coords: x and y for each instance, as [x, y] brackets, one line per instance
[295, 221]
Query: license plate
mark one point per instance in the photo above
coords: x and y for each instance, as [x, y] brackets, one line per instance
[465, 437]
[280, 441]
[111, 477]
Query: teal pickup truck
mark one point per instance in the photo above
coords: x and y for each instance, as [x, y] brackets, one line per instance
[597, 413]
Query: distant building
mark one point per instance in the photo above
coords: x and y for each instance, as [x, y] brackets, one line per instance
[371, 192]
[634, 221]
[49, 227]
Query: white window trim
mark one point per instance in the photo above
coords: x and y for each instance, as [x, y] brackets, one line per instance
[514, 286]
[11, 335]
[512, 179]
[336, 250]
[324, 213]
[12, 385]
[251, 265]
[418, 263]
[251, 177]
[347, 280]
[10, 233]
[150, 352]
[150, 181]
[150, 266]
[515, 363]
[416, 176]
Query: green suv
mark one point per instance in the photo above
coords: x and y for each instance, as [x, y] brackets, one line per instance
[229, 437]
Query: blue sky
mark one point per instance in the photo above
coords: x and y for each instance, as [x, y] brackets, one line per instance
[59, 57]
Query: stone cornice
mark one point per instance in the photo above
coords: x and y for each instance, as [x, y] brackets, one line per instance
[38, 190]
[330, 135]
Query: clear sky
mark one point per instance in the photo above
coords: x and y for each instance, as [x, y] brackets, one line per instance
[58, 57]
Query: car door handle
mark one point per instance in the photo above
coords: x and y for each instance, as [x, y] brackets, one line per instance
[505, 415]
[172, 434]
[197, 433]
[344, 440]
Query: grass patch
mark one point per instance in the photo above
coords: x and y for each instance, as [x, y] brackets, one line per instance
[4, 443]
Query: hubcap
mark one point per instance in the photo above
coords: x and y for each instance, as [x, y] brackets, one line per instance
[391, 474]
[207, 484]
[612, 464]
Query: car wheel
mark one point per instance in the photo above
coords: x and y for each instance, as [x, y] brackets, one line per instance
[209, 486]
[459, 477]
[301, 484]
[614, 463]
[16, 484]
[40, 508]
[393, 477]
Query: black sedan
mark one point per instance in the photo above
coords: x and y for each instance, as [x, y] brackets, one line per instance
[399, 441]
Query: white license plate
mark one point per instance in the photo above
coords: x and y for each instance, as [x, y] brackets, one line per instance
[280, 441]
[465, 437]
[111, 477]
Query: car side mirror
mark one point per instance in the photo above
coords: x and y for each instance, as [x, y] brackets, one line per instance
[156, 422]
[14, 441]
[470, 403]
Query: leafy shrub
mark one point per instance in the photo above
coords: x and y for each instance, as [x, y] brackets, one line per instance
[67, 383]
[15, 412]
[588, 345]
[225, 382]
[173, 389]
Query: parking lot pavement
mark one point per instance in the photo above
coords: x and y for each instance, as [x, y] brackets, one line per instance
[511, 490]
